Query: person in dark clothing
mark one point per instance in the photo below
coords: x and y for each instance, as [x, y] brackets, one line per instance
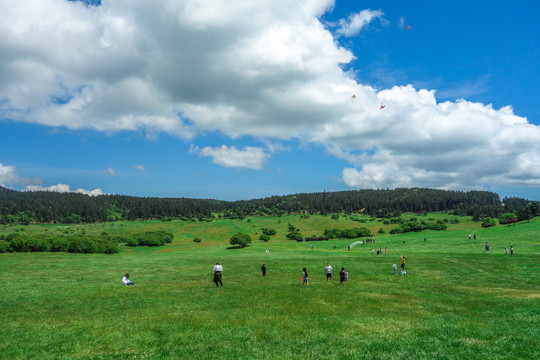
[305, 277]
[342, 276]
[263, 269]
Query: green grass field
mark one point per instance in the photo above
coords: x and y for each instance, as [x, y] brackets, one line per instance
[456, 302]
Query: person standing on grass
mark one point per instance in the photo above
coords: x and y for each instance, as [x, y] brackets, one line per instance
[218, 269]
[263, 269]
[328, 269]
[342, 276]
[402, 263]
[487, 246]
[395, 268]
[470, 236]
[346, 275]
[474, 236]
[385, 251]
[512, 250]
[305, 277]
[372, 251]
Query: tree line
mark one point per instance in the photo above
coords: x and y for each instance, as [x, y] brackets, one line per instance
[53, 207]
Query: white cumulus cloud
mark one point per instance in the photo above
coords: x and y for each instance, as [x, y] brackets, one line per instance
[63, 188]
[357, 21]
[249, 157]
[8, 175]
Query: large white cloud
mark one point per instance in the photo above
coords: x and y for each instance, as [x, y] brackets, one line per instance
[269, 69]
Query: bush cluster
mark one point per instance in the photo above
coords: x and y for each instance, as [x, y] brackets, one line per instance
[347, 233]
[317, 238]
[149, 238]
[73, 244]
[415, 225]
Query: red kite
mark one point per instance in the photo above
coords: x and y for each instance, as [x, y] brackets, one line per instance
[407, 27]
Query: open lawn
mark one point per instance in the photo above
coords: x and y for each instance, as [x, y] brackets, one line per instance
[456, 302]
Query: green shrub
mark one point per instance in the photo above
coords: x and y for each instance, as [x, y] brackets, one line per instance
[488, 222]
[20, 244]
[269, 231]
[81, 245]
[132, 241]
[240, 239]
[5, 246]
[59, 245]
[264, 237]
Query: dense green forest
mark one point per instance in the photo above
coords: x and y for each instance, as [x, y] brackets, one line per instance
[50, 207]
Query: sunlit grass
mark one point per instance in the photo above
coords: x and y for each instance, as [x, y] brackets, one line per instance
[457, 302]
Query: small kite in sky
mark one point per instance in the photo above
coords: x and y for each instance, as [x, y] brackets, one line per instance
[382, 106]
[407, 27]
[353, 97]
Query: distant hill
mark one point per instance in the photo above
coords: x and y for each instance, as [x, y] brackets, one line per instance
[44, 206]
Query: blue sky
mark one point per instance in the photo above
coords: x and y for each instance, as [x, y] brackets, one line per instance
[241, 100]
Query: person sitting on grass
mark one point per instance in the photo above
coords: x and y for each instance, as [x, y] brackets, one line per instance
[126, 281]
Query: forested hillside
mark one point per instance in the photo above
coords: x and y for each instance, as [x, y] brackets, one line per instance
[41, 206]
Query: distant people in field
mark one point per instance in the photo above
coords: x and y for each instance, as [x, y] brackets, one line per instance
[334, 246]
[218, 269]
[263, 269]
[506, 251]
[512, 250]
[385, 251]
[470, 236]
[305, 277]
[267, 251]
[394, 266]
[349, 248]
[402, 263]
[425, 238]
[377, 251]
[372, 251]
[474, 236]
[126, 281]
[328, 270]
[346, 275]
[311, 246]
[487, 246]
[342, 276]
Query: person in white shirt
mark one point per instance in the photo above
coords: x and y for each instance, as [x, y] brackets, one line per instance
[328, 271]
[218, 269]
[126, 281]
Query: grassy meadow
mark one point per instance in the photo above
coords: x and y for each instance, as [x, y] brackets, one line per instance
[456, 302]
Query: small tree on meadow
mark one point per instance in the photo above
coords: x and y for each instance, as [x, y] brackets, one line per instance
[240, 239]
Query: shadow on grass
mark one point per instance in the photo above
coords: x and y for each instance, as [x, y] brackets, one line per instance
[236, 247]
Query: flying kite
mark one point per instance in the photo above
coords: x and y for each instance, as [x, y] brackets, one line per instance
[407, 27]
[382, 106]
[353, 96]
